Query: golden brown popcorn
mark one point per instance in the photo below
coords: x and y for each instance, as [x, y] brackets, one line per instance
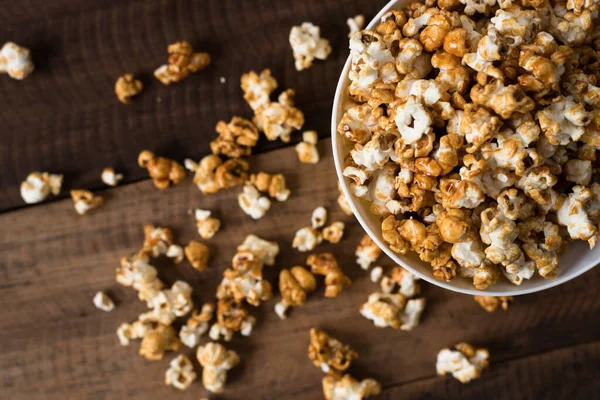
[231, 173]
[232, 316]
[103, 302]
[162, 170]
[245, 281]
[182, 62]
[15, 61]
[110, 177]
[205, 171]
[294, 285]
[325, 264]
[236, 138]
[384, 309]
[39, 185]
[127, 87]
[258, 88]
[491, 304]
[334, 232]
[159, 241]
[465, 363]
[196, 326]
[346, 387]
[328, 353]
[266, 251]
[84, 201]
[207, 226]
[355, 24]
[252, 203]
[197, 254]
[307, 150]
[307, 45]
[367, 252]
[279, 119]
[216, 360]
[157, 341]
[181, 373]
[504, 100]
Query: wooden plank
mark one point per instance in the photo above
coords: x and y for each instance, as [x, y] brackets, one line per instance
[55, 344]
[66, 119]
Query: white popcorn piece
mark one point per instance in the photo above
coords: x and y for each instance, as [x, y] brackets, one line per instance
[84, 201]
[319, 217]
[413, 120]
[374, 154]
[355, 24]
[280, 118]
[15, 61]
[572, 214]
[477, 6]
[181, 373]
[411, 315]
[252, 203]
[348, 388]
[196, 326]
[382, 189]
[579, 171]
[207, 226]
[219, 332]
[308, 45]
[384, 309]
[376, 274]
[563, 122]
[175, 252]
[265, 250]
[258, 88]
[39, 185]
[306, 239]
[462, 367]
[103, 302]
[367, 252]
[307, 150]
[370, 58]
[216, 360]
[172, 303]
[110, 177]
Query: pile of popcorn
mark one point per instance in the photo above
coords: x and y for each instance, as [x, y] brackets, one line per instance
[474, 127]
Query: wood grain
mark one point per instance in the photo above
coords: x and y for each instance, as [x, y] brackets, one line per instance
[66, 119]
[54, 344]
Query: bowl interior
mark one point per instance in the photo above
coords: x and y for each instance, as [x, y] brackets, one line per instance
[577, 260]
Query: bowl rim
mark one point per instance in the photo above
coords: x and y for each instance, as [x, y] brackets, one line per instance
[335, 117]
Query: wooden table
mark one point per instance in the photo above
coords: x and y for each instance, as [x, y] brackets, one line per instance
[65, 118]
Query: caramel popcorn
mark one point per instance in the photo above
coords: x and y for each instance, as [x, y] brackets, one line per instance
[307, 149]
[138, 273]
[472, 129]
[252, 203]
[325, 264]
[103, 302]
[275, 185]
[159, 241]
[172, 303]
[207, 226]
[355, 24]
[244, 281]
[294, 285]
[308, 45]
[216, 360]
[334, 232]
[39, 185]
[232, 317]
[465, 363]
[258, 88]
[127, 87]
[491, 304]
[236, 138]
[157, 341]
[367, 252]
[84, 201]
[197, 254]
[182, 62]
[204, 173]
[181, 373]
[279, 119]
[346, 387]
[328, 353]
[196, 326]
[110, 177]
[162, 170]
[15, 61]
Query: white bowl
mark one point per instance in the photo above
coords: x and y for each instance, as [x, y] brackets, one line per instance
[577, 260]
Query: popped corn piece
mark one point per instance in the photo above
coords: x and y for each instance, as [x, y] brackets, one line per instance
[355, 24]
[181, 373]
[307, 150]
[207, 226]
[343, 203]
[384, 309]
[216, 360]
[265, 250]
[376, 274]
[204, 177]
[252, 203]
[465, 363]
[572, 214]
[103, 302]
[367, 252]
[172, 303]
[328, 353]
[413, 120]
[319, 217]
[306, 239]
[325, 264]
[372, 60]
[294, 285]
[411, 315]
[84, 201]
[563, 121]
[245, 281]
[182, 62]
[236, 138]
[157, 240]
[231, 173]
[176, 253]
[15, 61]
[163, 171]
[357, 124]
[136, 272]
[578, 171]
[334, 232]
[346, 387]
[408, 282]
[491, 304]
[307, 45]
[258, 88]
[275, 185]
[127, 87]
[39, 185]
[197, 254]
[110, 177]
[279, 119]
[157, 341]
[196, 326]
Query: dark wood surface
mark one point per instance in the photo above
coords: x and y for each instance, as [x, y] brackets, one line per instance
[65, 118]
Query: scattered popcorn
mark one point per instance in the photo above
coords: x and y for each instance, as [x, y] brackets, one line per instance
[265, 250]
[307, 45]
[367, 252]
[491, 304]
[207, 226]
[162, 170]
[216, 360]
[306, 239]
[181, 373]
[39, 185]
[346, 387]
[307, 148]
[319, 217]
[15, 61]
[196, 326]
[110, 177]
[258, 88]
[172, 303]
[294, 285]
[376, 274]
[236, 138]
[334, 232]
[182, 62]
[279, 119]
[103, 302]
[252, 203]
[138, 273]
[84, 201]
[245, 280]
[197, 254]
[325, 264]
[157, 341]
[355, 24]
[465, 363]
[127, 87]
[328, 353]
[275, 185]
